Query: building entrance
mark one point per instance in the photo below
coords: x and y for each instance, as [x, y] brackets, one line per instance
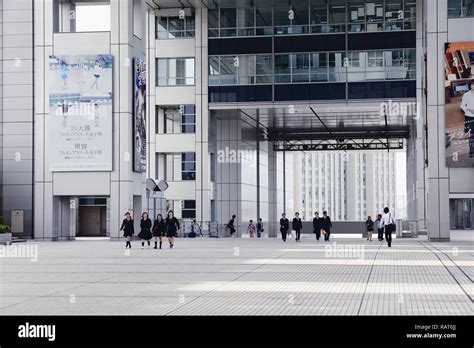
[92, 217]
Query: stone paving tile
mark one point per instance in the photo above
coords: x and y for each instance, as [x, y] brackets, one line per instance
[240, 277]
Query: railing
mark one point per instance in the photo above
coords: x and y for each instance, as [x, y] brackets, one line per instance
[210, 229]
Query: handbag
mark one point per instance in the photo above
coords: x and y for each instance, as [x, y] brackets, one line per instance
[393, 226]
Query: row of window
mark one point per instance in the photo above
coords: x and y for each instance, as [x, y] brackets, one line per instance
[315, 16]
[312, 67]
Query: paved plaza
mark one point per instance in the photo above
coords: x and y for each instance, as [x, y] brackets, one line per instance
[240, 277]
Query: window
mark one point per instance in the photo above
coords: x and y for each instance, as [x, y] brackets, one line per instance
[76, 16]
[366, 16]
[188, 210]
[460, 8]
[179, 119]
[175, 27]
[188, 166]
[293, 19]
[228, 22]
[240, 70]
[282, 68]
[382, 65]
[188, 119]
[393, 15]
[175, 71]
[319, 17]
[263, 20]
[300, 67]
[461, 214]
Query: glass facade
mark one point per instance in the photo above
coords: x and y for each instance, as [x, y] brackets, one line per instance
[312, 17]
[240, 70]
[175, 27]
[460, 8]
[317, 67]
[461, 214]
[175, 71]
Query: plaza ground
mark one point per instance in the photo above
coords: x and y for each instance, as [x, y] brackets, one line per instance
[241, 277]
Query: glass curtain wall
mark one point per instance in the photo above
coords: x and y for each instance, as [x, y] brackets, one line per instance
[313, 17]
[376, 65]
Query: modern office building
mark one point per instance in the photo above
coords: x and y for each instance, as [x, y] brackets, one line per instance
[232, 90]
[349, 186]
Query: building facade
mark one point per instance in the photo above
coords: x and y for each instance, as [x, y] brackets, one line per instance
[349, 187]
[233, 91]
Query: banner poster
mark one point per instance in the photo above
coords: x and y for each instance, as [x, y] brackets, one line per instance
[459, 104]
[139, 116]
[79, 124]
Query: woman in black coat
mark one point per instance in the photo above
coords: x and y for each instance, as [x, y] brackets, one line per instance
[158, 229]
[284, 226]
[145, 230]
[297, 225]
[172, 227]
[128, 229]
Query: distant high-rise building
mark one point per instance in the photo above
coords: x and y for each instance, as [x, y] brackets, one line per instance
[349, 186]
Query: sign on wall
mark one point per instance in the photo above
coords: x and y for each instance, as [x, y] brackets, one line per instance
[139, 116]
[79, 125]
[459, 100]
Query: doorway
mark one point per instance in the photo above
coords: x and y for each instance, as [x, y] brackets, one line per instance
[92, 220]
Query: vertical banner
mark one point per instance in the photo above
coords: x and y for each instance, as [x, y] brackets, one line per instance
[79, 124]
[459, 100]
[139, 116]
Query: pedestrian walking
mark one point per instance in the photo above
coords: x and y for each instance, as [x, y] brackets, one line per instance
[327, 225]
[172, 227]
[259, 228]
[284, 226]
[379, 226]
[369, 226]
[251, 229]
[297, 225]
[317, 225]
[145, 230]
[230, 226]
[128, 229]
[158, 230]
[388, 222]
[195, 227]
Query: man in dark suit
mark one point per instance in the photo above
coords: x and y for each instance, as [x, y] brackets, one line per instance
[317, 225]
[284, 226]
[297, 225]
[326, 225]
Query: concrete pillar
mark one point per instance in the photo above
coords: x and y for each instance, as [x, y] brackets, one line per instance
[438, 176]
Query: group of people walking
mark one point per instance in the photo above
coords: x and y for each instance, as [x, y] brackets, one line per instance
[169, 227]
[385, 224]
[321, 225]
[253, 229]
[160, 228]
